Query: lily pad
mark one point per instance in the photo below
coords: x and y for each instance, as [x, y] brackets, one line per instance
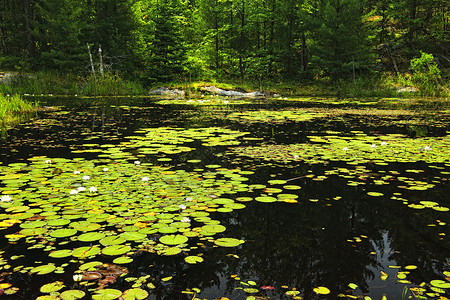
[72, 294]
[106, 294]
[52, 287]
[135, 293]
[173, 239]
[116, 250]
[193, 259]
[228, 242]
[44, 269]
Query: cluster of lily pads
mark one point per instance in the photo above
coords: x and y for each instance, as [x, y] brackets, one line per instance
[80, 209]
[274, 116]
[358, 148]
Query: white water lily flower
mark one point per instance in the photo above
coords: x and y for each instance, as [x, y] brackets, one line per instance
[185, 220]
[48, 161]
[188, 199]
[182, 206]
[383, 143]
[427, 147]
[73, 192]
[81, 188]
[296, 156]
[92, 189]
[5, 198]
[105, 169]
[77, 277]
[145, 178]
[373, 146]
[345, 149]
[137, 162]
[86, 177]
[226, 101]
[76, 172]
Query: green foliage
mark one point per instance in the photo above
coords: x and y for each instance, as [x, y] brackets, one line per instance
[168, 50]
[110, 85]
[251, 41]
[340, 42]
[13, 107]
[426, 74]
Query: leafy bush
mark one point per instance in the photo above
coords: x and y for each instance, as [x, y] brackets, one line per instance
[426, 74]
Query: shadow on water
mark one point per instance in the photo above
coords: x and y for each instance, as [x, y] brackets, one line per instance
[332, 235]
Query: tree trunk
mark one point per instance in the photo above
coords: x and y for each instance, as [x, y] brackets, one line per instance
[30, 41]
[304, 54]
[242, 42]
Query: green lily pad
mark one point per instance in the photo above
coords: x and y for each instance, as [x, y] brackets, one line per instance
[62, 233]
[228, 242]
[85, 252]
[441, 284]
[90, 265]
[214, 228]
[112, 240]
[44, 269]
[171, 251]
[135, 293]
[106, 294]
[193, 259]
[91, 236]
[61, 253]
[266, 199]
[52, 287]
[173, 239]
[72, 294]
[116, 250]
[123, 260]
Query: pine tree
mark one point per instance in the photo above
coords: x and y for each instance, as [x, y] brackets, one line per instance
[168, 49]
[340, 43]
[57, 33]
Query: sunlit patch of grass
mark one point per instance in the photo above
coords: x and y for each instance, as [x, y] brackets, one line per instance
[13, 108]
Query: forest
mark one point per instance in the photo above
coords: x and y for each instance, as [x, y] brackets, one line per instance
[154, 41]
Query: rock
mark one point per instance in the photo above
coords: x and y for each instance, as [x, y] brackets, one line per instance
[164, 91]
[407, 89]
[235, 94]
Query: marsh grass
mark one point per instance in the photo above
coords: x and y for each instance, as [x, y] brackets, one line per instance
[44, 83]
[13, 109]
[112, 84]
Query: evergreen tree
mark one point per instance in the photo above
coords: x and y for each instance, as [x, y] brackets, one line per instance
[340, 45]
[168, 49]
[57, 33]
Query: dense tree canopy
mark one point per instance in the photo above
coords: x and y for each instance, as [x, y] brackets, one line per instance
[161, 40]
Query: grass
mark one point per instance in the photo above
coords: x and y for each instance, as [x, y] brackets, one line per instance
[13, 109]
[44, 83]
[113, 84]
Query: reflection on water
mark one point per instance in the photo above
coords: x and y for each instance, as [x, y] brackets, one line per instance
[333, 235]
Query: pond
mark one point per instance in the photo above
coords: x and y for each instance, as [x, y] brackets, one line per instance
[147, 198]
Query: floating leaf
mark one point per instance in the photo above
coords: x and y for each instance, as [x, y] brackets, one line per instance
[116, 250]
[133, 294]
[52, 287]
[321, 290]
[193, 259]
[61, 253]
[106, 294]
[440, 284]
[63, 232]
[72, 295]
[173, 239]
[44, 269]
[228, 242]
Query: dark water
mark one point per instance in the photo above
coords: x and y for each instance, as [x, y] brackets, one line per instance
[345, 237]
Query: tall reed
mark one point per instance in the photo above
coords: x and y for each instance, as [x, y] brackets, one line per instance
[13, 108]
